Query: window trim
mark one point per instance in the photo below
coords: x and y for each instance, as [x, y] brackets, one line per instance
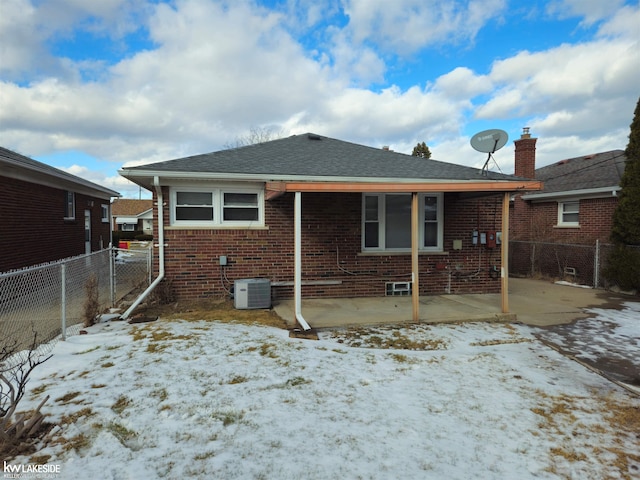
[69, 204]
[562, 212]
[217, 193]
[105, 212]
[421, 220]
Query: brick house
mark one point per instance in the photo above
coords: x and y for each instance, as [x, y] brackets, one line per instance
[575, 206]
[132, 215]
[48, 214]
[323, 217]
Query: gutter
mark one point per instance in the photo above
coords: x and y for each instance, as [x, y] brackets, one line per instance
[160, 277]
[298, 261]
[601, 192]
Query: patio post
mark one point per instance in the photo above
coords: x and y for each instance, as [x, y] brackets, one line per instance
[297, 276]
[504, 271]
[415, 290]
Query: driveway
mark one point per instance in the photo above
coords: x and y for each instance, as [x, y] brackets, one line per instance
[608, 340]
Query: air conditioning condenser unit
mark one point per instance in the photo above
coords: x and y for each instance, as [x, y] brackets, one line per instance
[252, 293]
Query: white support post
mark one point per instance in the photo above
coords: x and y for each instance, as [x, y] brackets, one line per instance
[297, 278]
[415, 276]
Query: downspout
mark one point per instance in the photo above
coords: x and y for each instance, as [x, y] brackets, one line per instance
[297, 277]
[160, 277]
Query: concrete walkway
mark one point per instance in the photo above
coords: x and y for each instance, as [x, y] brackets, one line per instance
[533, 302]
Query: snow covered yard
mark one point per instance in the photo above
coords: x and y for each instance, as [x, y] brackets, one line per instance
[206, 399]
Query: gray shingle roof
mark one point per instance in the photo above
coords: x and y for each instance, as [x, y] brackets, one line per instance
[311, 155]
[583, 173]
[15, 165]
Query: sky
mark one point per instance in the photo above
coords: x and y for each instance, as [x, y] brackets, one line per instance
[203, 399]
[90, 86]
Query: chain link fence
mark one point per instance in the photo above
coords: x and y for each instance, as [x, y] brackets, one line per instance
[582, 264]
[47, 301]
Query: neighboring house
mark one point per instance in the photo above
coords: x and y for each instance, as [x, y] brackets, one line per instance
[562, 230]
[577, 202]
[325, 217]
[48, 214]
[132, 215]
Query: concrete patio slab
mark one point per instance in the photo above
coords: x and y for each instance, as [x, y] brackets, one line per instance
[534, 302]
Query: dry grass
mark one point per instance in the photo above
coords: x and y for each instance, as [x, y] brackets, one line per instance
[387, 337]
[487, 343]
[67, 398]
[121, 404]
[214, 309]
[573, 439]
[73, 417]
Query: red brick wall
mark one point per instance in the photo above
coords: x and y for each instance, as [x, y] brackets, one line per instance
[331, 245]
[33, 229]
[537, 222]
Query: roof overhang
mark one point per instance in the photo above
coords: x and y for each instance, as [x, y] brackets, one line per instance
[602, 192]
[120, 220]
[278, 184]
[51, 177]
[405, 187]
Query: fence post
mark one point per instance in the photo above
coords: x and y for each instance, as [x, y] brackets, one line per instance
[533, 260]
[112, 285]
[596, 265]
[63, 290]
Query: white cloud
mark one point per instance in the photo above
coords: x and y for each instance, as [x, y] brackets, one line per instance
[20, 40]
[25, 29]
[625, 22]
[463, 83]
[590, 10]
[406, 26]
[572, 88]
[218, 69]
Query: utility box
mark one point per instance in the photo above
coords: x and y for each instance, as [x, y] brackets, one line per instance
[252, 293]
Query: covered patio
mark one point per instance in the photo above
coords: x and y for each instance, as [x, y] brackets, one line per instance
[534, 302]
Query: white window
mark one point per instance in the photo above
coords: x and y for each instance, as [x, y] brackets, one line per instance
[105, 213]
[212, 207]
[69, 205]
[386, 222]
[568, 214]
[128, 227]
[194, 206]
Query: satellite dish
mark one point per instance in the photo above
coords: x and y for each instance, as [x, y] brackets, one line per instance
[489, 141]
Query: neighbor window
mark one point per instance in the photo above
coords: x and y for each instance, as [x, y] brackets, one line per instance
[217, 207]
[386, 222]
[105, 213]
[69, 205]
[568, 213]
[128, 227]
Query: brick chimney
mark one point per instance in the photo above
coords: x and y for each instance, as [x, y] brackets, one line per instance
[525, 156]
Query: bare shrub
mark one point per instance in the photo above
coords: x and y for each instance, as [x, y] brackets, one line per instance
[91, 303]
[164, 294]
[15, 368]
